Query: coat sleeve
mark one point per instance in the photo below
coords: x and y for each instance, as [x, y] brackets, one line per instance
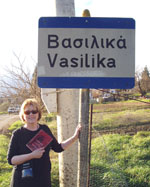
[55, 146]
[13, 146]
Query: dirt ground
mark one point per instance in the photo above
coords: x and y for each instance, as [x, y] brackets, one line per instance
[6, 120]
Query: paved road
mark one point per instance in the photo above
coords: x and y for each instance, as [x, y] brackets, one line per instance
[6, 120]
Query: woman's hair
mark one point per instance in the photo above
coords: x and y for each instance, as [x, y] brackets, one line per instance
[29, 102]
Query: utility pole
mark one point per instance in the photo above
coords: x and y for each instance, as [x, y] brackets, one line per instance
[65, 8]
[67, 115]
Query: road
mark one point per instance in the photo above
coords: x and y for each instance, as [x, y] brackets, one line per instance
[6, 120]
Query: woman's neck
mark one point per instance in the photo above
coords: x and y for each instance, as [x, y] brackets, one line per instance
[32, 127]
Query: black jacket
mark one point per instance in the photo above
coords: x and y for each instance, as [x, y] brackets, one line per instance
[41, 167]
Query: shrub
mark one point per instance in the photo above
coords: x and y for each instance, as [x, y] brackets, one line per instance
[15, 126]
[50, 117]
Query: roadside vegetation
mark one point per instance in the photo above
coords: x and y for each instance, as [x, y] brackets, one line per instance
[121, 160]
[120, 153]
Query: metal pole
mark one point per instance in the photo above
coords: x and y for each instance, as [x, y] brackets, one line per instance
[83, 140]
[90, 140]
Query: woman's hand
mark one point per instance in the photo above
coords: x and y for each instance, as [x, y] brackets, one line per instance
[67, 143]
[77, 131]
[19, 159]
[38, 153]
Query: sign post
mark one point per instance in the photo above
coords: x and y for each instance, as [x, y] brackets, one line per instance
[84, 52]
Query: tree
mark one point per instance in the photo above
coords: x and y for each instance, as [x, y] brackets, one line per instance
[145, 79]
[35, 90]
[142, 81]
[19, 82]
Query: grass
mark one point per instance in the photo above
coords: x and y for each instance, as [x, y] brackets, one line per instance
[1, 113]
[121, 106]
[126, 118]
[55, 169]
[5, 168]
[122, 160]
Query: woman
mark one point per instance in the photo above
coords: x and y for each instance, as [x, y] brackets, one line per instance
[32, 168]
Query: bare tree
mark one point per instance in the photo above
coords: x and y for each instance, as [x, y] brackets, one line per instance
[35, 90]
[19, 82]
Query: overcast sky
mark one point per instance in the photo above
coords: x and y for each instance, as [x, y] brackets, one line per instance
[19, 25]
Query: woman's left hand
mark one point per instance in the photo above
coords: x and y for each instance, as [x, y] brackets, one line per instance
[77, 131]
[67, 143]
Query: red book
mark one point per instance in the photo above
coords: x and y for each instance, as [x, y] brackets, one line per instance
[40, 140]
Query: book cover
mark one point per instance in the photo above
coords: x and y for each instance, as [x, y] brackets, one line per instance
[41, 139]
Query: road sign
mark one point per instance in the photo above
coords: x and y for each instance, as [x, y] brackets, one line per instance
[80, 52]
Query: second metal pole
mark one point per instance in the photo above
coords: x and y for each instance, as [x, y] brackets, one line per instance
[83, 149]
[83, 140]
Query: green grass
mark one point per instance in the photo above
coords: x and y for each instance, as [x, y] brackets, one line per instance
[55, 169]
[1, 113]
[5, 168]
[112, 120]
[15, 125]
[121, 106]
[122, 160]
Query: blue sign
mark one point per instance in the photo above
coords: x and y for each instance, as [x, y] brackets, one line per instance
[80, 52]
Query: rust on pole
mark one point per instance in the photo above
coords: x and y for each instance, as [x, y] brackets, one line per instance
[83, 140]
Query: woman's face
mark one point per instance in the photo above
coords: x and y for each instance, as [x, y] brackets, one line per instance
[31, 114]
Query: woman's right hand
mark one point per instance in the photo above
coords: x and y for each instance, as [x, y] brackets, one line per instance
[20, 159]
[38, 153]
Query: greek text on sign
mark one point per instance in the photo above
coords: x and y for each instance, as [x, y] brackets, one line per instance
[86, 52]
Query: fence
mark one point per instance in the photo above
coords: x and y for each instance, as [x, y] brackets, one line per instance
[104, 169]
[100, 174]
[108, 175]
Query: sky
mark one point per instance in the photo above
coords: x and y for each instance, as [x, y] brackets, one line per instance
[19, 26]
